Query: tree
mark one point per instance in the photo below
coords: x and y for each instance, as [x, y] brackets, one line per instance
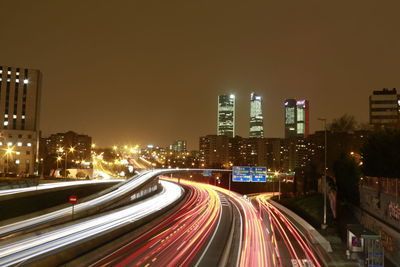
[380, 154]
[347, 174]
[345, 124]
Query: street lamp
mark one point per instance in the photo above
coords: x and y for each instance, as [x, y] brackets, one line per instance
[9, 151]
[324, 225]
[71, 149]
[58, 160]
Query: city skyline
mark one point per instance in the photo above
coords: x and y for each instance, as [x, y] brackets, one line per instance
[279, 51]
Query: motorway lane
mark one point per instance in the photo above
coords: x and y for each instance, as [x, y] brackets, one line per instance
[73, 235]
[256, 248]
[193, 235]
[59, 185]
[128, 186]
[292, 247]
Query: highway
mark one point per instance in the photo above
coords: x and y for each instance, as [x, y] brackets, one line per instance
[60, 185]
[38, 246]
[129, 186]
[194, 234]
[292, 247]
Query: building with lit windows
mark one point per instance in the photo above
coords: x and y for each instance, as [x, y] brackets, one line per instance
[296, 118]
[19, 119]
[290, 118]
[214, 151]
[302, 118]
[226, 115]
[256, 117]
[59, 143]
[178, 146]
[384, 109]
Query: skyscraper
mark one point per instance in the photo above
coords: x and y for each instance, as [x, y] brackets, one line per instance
[256, 117]
[384, 109]
[296, 118]
[19, 119]
[290, 118]
[226, 115]
[302, 118]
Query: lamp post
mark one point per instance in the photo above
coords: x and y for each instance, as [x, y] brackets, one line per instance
[57, 161]
[71, 149]
[324, 225]
[8, 152]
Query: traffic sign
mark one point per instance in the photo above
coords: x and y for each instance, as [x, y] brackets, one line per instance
[249, 174]
[207, 173]
[241, 174]
[259, 174]
[73, 199]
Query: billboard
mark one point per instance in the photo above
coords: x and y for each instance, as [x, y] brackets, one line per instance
[249, 174]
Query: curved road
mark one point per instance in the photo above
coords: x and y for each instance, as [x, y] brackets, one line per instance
[193, 235]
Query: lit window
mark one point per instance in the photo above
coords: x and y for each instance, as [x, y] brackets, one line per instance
[5, 115]
[8, 72]
[1, 79]
[8, 79]
[9, 144]
[17, 73]
[5, 123]
[1, 143]
[19, 144]
[29, 144]
[18, 153]
[1, 71]
[14, 116]
[23, 117]
[17, 80]
[25, 81]
[17, 161]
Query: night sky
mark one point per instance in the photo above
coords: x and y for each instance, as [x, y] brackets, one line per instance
[150, 71]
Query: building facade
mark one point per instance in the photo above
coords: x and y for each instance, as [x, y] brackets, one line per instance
[226, 115]
[179, 146]
[256, 117]
[290, 118]
[384, 109]
[78, 148]
[214, 151]
[302, 118]
[19, 119]
[296, 118]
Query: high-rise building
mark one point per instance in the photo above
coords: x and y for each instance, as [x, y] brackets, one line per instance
[19, 119]
[302, 118]
[256, 117]
[290, 118]
[296, 118]
[226, 115]
[384, 109]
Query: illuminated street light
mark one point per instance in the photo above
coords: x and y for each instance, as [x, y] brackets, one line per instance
[9, 151]
[58, 159]
[71, 149]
